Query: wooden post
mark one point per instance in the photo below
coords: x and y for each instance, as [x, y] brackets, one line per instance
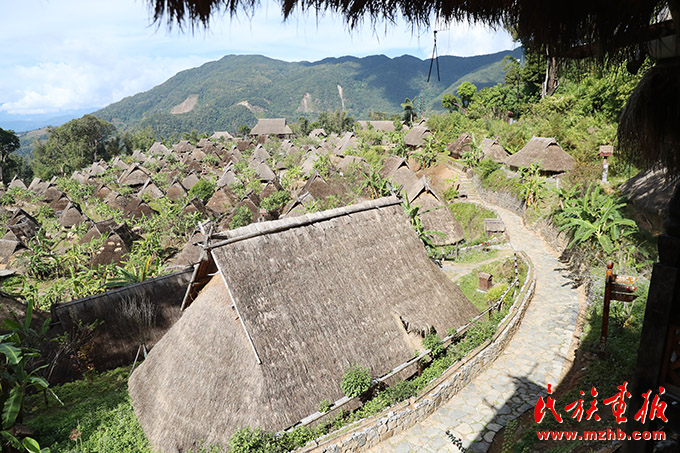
[605, 309]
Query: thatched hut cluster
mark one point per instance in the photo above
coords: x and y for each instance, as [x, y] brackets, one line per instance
[546, 153]
[292, 305]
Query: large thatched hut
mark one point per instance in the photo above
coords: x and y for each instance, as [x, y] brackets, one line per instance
[292, 305]
[545, 152]
[276, 127]
[493, 150]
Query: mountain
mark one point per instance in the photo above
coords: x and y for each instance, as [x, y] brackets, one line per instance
[238, 89]
[23, 122]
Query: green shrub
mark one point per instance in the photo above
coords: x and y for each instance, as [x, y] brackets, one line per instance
[202, 190]
[325, 406]
[242, 217]
[275, 202]
[248, 440]
[355, 381]
[487, 166]
[451, 193]
[433, 342]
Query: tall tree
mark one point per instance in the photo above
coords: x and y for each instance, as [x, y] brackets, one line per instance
[9, 142]
[466, 91]
[409, 110]
[74, 145]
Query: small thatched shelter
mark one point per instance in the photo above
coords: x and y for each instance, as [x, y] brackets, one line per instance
[317, 133]
[71, 216]
[271, 126]
[23, 226]
[493, 150]
[463, 144]
[139, 156]
[137, 208]
[416, 136]
[150, 189]
[222, 135]
[176, 191]
[383, 126]
[347, 142]
[228, 178]
[183, 147]
[190, 180]
[223, 200]
[134, 176]
[545, 152]
[158, 149]
[17, 184]
[294, 303]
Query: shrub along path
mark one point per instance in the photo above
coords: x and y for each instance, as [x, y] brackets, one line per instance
[539, 354]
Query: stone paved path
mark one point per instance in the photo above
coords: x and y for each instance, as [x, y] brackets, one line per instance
[535, 357]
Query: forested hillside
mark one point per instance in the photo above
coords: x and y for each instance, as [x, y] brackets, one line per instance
[225, 94]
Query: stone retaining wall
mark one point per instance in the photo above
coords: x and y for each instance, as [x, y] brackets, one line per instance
[369, 432]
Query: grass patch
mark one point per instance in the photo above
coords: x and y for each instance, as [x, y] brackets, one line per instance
[97, 414]
[471, 218]
[503, 272]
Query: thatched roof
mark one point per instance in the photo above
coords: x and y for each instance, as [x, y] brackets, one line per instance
[493, 150]
[23, 226]
[183, 147]
[316, 133]
[8, 249]
[271, 126]
[38, 186]
[222, 135]
[307, 297]
[116, 340]
[436, 217]
[348, 162]
[135, 175]
[461, 145]
[384, 126]
[116, 200]
[417, 135]
[223, 200]
[17, 183]
[228, 178]
[190, 181]
[391, 165]
[264, 172]
[260, 154]
[158, 149]
[151, 189]
[348, 141]
[176, 191]
[545, 152]
[139, 156]
[118, 163]
[71, 216]
[137, 208]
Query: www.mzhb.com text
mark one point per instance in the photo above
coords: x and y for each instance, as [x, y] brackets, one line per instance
[608, 434]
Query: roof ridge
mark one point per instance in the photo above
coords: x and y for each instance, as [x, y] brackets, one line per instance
[274, 226]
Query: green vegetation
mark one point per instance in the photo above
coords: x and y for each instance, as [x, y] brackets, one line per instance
[355, 381]
[96, 416]
[203, 190]
[275, 202]
[9, 142]
[503, 272]
[242, 217]
[471, 217]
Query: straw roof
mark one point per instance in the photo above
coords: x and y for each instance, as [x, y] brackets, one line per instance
[228, 178]
[137, 208]
[38, 186]
[348, 141]
[223, 200]
[139, 156]
[150, 188]
[135, 175]
[391, 165]
[183, 147]
[436, 217]
[417, 135]
[545, 152]
[271, 126]
[176, 191]
[158, 149]
[118, 163]
[17, 183]
[223, 134]
[348, 162]
[651, 191]
[115, 343]
[260, 154]
[493, 150]
[272, 325]
[385, 126]
[190, 181]
[71, 216]
[461, 145]
[316, 133]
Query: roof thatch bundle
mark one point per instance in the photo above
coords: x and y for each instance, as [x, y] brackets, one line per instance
[51, 194]
[16, 183]
[195, 205]
[349, 162]
[119, 164]
[151, 190]
[271, 126]
[71, 216]
[183, 147]
[135, 175]
[117, 244]
[269, 319]
[408, 181]
[117, 339]
[222, 135]
[78, 176]
[158, 149]
[546, 153]
[416, 136]
[101, 191]
[228, 178]
[115, 200]
[264, 172]
[493, 150]
[139, 156]
[391, 165]
[137, 208]
[223, 200]
[384, 126]
[190, 180]
[437, 218]
[462, 145]
[96, 169]
[308, 165]
[347, 142]
[260, 154]
[60, 204]
[38, 186]
[176, 191]
[190, 253]
[317, 133]
[198, 154]
[9, 249]
[299, 206]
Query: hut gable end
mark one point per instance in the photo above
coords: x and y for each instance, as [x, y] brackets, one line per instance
[314, 296]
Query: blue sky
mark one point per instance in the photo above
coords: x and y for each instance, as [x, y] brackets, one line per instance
[61, 56]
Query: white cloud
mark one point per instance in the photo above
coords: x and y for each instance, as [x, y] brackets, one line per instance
[85, 54]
